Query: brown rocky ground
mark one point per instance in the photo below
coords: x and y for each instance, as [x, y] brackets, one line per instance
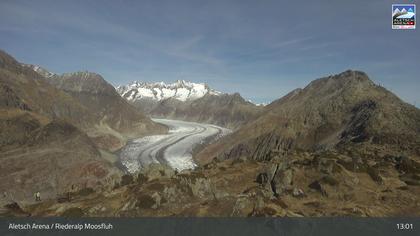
[368, 184]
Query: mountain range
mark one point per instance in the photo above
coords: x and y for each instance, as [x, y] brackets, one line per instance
[342, 145]
[191, 102]
[180, 90]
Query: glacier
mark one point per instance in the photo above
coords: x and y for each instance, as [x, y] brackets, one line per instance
[174, 149]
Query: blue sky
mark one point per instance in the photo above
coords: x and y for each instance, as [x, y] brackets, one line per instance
[261, 49]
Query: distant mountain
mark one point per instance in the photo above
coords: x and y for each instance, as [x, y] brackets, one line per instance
[190, 101]
[180, 90]
[336, 112]
[226, 110]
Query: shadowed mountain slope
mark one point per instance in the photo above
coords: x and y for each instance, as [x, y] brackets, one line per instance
[226, 110]
[101, 99]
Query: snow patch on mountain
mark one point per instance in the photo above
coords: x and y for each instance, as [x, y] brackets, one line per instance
[42, 71]
[263, 104]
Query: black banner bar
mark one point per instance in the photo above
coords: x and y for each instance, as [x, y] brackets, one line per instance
[210, 226]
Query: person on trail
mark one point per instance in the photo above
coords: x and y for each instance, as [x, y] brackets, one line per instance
[38, 196]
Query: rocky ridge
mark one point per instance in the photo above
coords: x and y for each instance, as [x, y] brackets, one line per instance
[335, 112]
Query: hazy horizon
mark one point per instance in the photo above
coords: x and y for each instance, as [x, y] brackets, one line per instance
[261, 50]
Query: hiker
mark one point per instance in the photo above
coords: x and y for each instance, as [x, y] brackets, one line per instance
[38, 196]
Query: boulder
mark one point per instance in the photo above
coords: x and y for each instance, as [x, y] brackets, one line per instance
[411, 179]
[157, 198]
[298, 193]
[316, 185]
[142, 178]
[405, 164]
[199, 185]
[243, 206]
[374, 174]
[262, 178]
[282, 181]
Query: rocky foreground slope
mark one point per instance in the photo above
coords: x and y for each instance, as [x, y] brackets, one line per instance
[342, 146]
[322, 184]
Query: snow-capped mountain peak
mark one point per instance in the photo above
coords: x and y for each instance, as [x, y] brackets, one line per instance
[181, 90]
